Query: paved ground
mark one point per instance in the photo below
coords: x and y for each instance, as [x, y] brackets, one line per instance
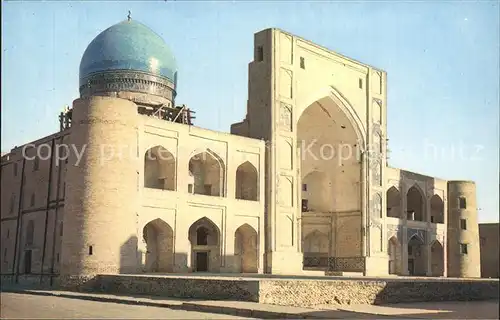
[14, 305]
[60, 304]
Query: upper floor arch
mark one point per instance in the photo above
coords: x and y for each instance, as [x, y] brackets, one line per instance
[159, 169]
[415, 204]
[208, 171]
[247, 182]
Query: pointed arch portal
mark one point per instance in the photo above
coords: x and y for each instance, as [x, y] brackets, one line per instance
[246, 248]
[159, 238]
[204, 236]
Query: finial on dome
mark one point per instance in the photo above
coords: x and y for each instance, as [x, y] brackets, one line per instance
[129, 17]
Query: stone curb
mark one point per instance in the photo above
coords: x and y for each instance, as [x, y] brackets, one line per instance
[186, 306]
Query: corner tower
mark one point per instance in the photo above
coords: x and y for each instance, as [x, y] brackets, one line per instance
[463, 230]
[125, 69]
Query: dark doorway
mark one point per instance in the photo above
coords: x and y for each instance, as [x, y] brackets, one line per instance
[27, 261]
[411, 267]
[202, 261]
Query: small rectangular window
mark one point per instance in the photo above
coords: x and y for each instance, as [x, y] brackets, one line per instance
[463, 224]
[8, 233]
[4, 254]
[432, 218]
[32, 200]
[30, 232]
[462, 203]
[305, 207]
[259, 56]
[360, 83]
[36, 164]
[463, 248]
[91, 250]
[304, 187]
[302, 63]
[190, 188]
[12, 203]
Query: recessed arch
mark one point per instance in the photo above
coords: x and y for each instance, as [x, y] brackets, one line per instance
[437, 259]
[316, 248]
[159, 238]
[159, 169]
[247, 182]
[416, 256]
[246, 248]
[204, 237]
[394, 251]
[377, 205]
[415, 204]
[208, 172]
[437, 209]
[393, 202]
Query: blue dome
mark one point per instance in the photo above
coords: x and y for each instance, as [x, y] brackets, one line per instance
[129, 46]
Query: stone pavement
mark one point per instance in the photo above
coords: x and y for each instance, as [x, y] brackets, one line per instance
[432, 310]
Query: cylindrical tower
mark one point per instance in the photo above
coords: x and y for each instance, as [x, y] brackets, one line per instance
[463, 230]
[100, 206]
[125, 65]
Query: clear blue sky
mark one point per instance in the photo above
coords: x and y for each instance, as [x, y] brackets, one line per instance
[442, 61]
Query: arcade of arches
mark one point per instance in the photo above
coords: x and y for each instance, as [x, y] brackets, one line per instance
[420, 261]
[415, 205]
[205, 248]
[206, 174]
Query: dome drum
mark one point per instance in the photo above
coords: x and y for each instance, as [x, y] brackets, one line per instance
[128, 81]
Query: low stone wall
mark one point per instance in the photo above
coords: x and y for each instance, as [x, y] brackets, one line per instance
[288, 291]
[185, 287]
[341, 292]
[28, 281]
[298, 292]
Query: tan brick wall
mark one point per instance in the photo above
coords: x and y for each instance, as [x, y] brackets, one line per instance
[34, 198]
[489, 244]
[101, 201]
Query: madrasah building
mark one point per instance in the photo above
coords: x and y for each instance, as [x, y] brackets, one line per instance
[299, 187]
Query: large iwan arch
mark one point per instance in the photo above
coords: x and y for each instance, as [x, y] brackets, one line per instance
[331, 170]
